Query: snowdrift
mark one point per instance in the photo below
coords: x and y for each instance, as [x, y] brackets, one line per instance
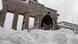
[37, 36]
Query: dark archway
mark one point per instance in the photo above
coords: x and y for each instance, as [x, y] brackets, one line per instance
[47, 20]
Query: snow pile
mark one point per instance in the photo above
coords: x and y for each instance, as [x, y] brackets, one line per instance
[5, 42]
[75, 41]
[3, 35]
[49, 37]
[21, 38]
[10, 36]
[41, 37]
[66, 31]
[37, 36]
[62, 36]
[69, 33]
[5, 32]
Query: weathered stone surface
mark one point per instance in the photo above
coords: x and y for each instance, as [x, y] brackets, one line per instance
[26, 22]
[14, 25]
[2, 17]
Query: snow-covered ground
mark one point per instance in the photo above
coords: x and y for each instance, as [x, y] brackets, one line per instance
[37, 36]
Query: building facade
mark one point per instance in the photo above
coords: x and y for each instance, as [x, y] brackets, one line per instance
[27, 8]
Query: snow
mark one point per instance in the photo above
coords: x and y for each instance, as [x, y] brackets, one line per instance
[38, 36]
[10, 36]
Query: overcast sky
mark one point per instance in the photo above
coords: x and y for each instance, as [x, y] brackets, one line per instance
[68, 9]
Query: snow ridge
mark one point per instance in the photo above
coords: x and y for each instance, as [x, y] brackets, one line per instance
[38, 36]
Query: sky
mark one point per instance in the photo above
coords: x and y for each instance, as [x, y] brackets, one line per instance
[67, 9]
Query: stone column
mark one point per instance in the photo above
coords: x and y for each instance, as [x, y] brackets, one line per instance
[3, 14]
[54, 24]
[37, 22]
[2, 17]
[14, 25]
[26, 21]
[41, 21]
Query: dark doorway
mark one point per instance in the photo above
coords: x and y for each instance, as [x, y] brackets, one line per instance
[47, 20]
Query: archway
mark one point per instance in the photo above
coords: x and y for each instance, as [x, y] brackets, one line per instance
[47, 20]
